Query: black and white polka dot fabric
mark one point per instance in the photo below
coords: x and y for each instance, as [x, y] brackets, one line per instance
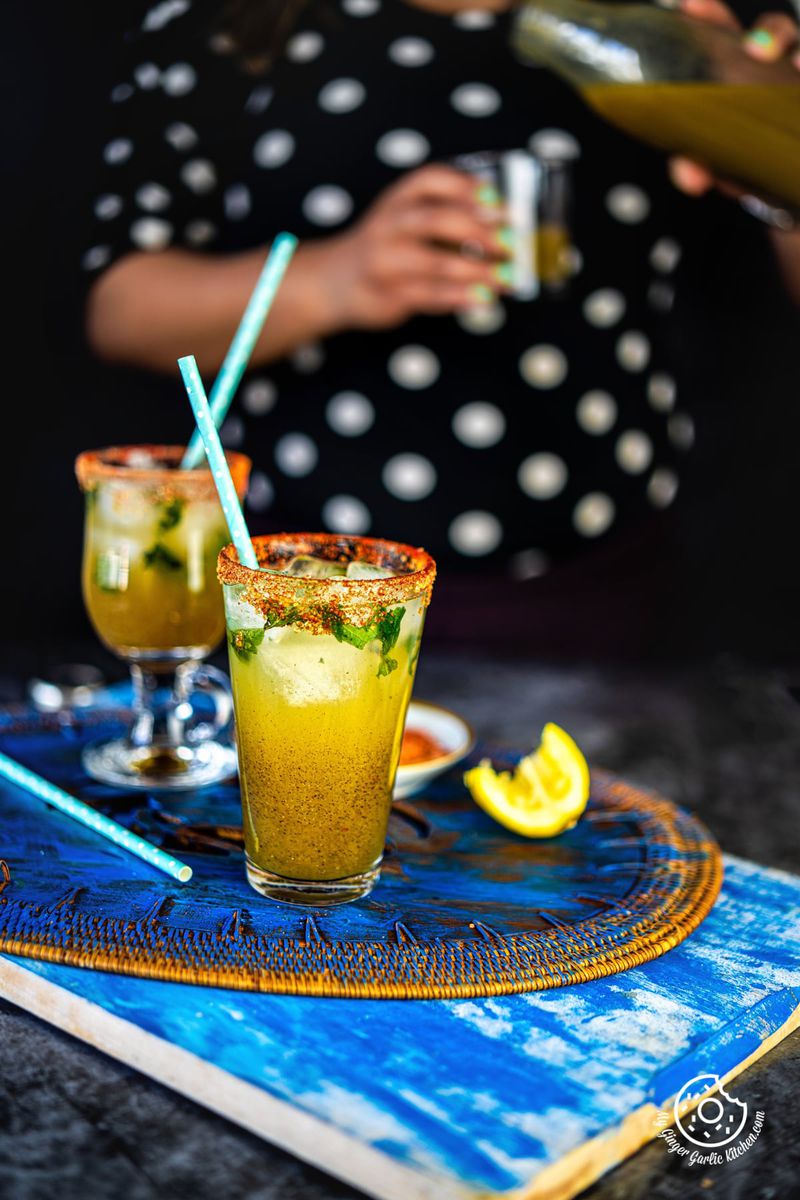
[506, 437]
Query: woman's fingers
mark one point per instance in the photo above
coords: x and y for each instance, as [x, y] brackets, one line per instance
[436, 184]
[690, 177]
[772, 37]
[416, 261]
[456, 226]
[713, 11]
[436, 299]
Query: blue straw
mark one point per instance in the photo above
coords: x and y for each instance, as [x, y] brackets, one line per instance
[244, 340]
[217, 461]
[92, 819]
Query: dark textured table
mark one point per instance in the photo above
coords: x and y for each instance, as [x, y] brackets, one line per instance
[723, 740]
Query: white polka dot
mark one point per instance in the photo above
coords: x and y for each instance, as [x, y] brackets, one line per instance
[199, 175]
[542, 476]
[593, 514]
[259, 396]
[633, 351]
[475, 533]
[152, 197]
[680, 429]
[482, 318]
[308, 358]
[327, 205]
[122, 91]
[475, 100]
[474, 18]
[634, 451]
[596, 412]
[200, 232]
[604, 308]
[305, 46]
[628, 203]
[414, 367]
[543, 366]
[181, 136]
[479, 424]
[162, 14]
[665, 255]
[661, 296]
[662, 487]
[341, 95]
[118, 151]
[259, 100]
[95, 258]
[409, 477]
[221, 43]
[179, 79]
[411, 51]
[350, 414]
[574, 260]
[237, 202]
[661, 392]
[360, 8]
[107, 207]
[296, 454]
[554, 145]
[273, 149]
[260, 493]
[402, 148]
[529, 564]
[147, 75]
[232, 431]
[151, 233]
[346, 514]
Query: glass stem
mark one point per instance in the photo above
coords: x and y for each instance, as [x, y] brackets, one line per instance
[160, 710]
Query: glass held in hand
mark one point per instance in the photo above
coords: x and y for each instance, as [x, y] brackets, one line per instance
[152, 535]
[682, 85]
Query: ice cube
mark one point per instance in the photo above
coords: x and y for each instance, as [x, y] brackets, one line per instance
[141, 460]
[366, 570]
[313, 568]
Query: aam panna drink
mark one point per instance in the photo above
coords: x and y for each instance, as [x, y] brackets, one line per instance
[322, 666]
[151, 540]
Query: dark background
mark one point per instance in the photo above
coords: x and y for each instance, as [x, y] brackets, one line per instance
[735, 579]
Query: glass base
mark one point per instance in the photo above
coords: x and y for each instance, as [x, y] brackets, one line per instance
[159, 768]
[313, 894]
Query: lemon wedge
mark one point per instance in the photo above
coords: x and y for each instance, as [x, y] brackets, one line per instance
[543, 796]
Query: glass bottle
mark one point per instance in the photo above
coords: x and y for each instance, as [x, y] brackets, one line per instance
[684, 86]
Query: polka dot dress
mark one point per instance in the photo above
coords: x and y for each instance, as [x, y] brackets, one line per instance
[503, 438]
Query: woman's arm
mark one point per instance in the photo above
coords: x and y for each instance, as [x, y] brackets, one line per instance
[403, 257]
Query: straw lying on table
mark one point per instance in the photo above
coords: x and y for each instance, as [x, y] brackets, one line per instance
[217, 462]
[244, 339]
[14, 772]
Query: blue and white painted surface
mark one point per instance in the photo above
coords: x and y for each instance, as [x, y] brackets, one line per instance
[481, 1096]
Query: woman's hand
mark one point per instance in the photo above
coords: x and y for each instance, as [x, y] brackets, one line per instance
[774, 36]
[426, 245]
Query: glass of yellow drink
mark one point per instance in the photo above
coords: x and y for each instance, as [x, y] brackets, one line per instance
[152, 536]
[323, 643]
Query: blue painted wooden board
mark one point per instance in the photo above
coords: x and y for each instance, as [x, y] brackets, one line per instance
[459, 1099]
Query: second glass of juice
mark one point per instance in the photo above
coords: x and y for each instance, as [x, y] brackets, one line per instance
[323, 643]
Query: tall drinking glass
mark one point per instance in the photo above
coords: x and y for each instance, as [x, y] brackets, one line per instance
[152, 536]
[323, 643]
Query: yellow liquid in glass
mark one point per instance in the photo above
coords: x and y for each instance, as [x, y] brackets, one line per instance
[319, 735]
[149, 571]
[747, 133]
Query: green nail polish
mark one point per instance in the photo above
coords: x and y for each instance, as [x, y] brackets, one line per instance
[482, 294]
[488, 195]
[504, 274]
[762, 38]
[505, 238]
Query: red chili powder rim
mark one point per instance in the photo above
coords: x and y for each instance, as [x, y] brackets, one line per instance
[317, 603]
[93, 467]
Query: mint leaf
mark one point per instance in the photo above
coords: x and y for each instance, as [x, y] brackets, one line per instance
[389, 629]
[275, 620]
[384, 627]
[159, 556]
[245, 642]
[171, 514]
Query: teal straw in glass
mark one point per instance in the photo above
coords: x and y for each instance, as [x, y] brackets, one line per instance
[244, 340]
[14, 772]
[217, 462]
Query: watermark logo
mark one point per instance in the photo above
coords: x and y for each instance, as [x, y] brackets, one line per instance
[711, 1130]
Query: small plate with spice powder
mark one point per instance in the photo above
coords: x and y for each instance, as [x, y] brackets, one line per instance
[435, 738]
